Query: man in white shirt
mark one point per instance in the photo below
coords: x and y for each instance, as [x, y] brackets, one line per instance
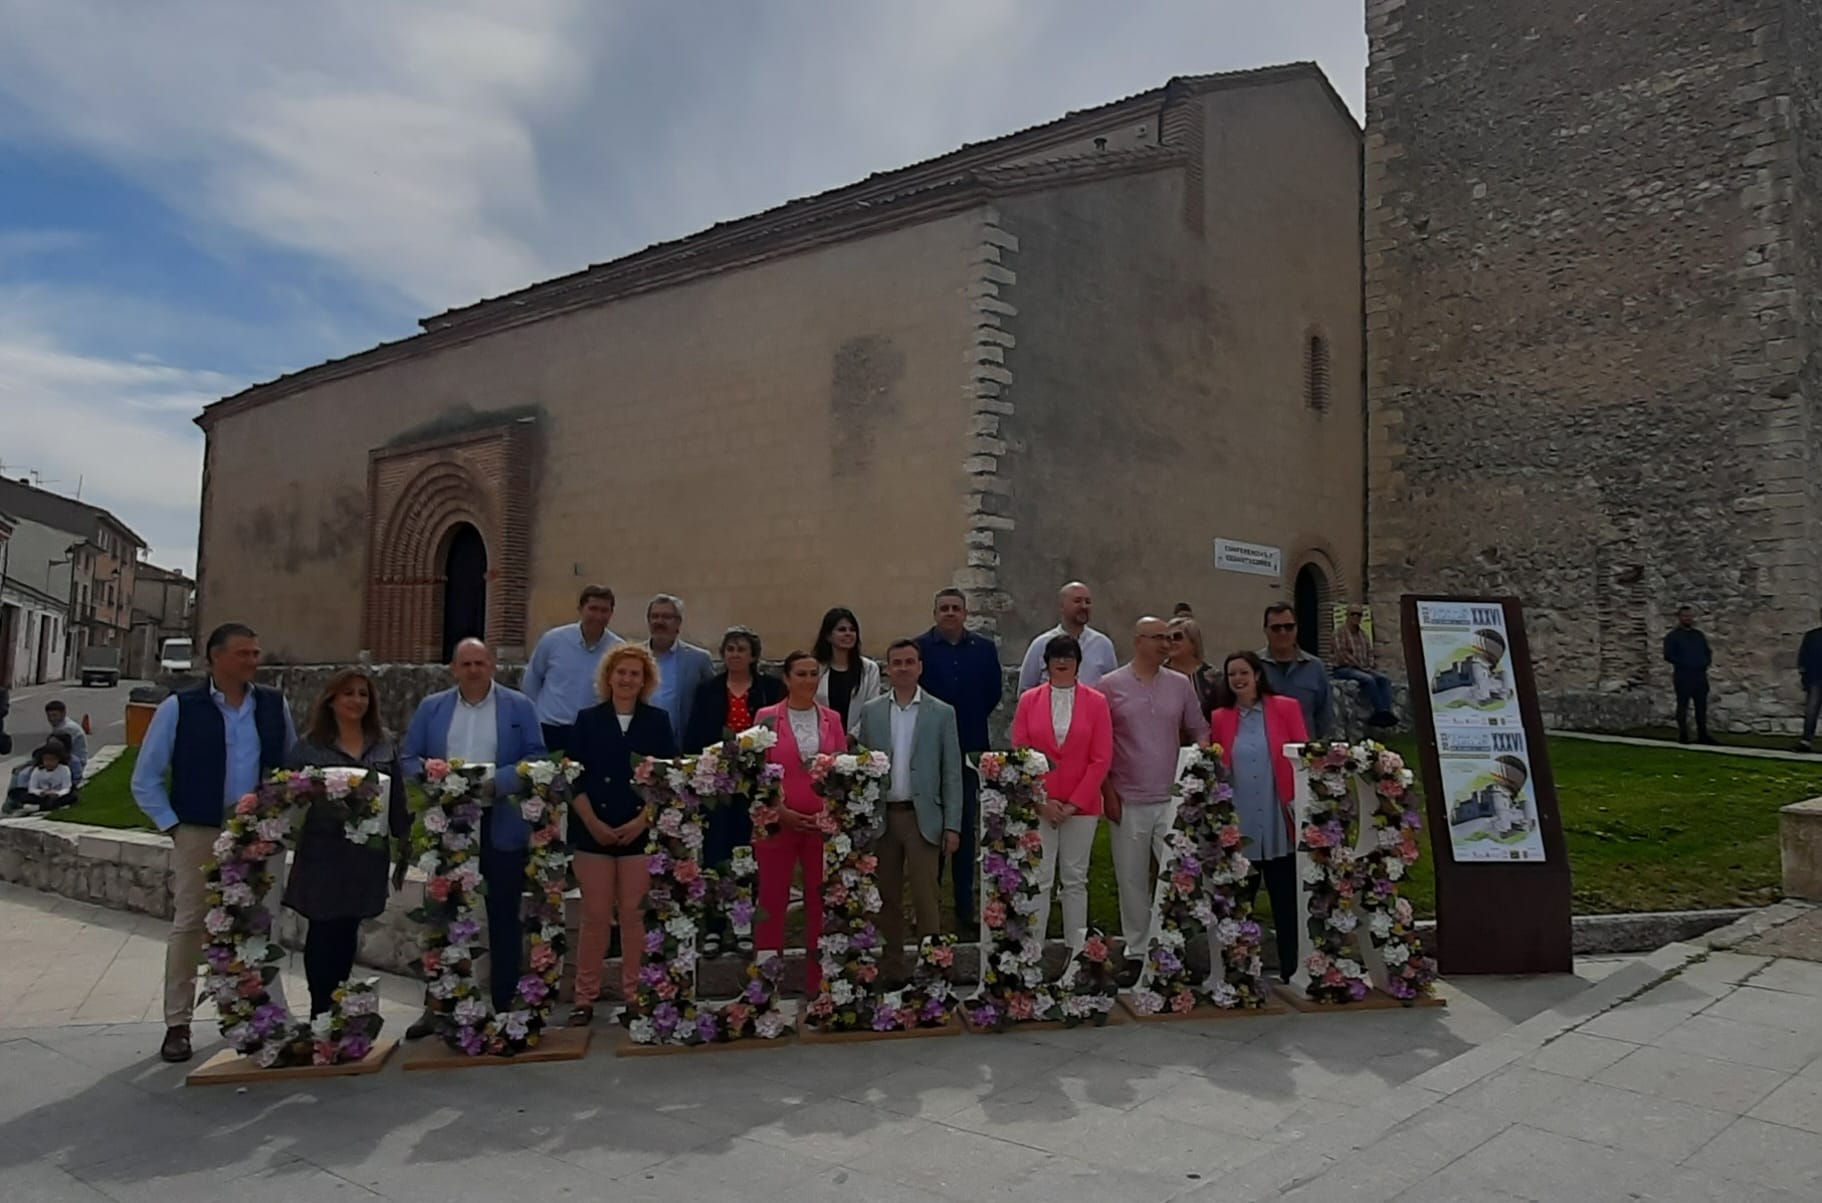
[923, 799]
[1075, 605]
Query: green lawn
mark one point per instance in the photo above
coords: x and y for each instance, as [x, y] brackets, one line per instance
[1647, 828]
[107, 798]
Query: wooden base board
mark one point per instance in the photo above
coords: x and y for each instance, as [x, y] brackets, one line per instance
[809, 1035]
[624, 1046]
[1376, 1000]
[556, 1044]
[1201, 1011]
[229, 1068]
[1115, 1017]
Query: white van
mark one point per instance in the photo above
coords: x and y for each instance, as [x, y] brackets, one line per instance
[175, 656]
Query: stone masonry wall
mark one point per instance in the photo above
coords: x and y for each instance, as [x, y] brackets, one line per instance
[1590, 378]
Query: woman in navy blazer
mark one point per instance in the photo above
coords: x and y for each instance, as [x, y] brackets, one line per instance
[607, 823]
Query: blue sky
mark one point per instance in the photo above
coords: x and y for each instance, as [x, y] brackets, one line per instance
[199, 194]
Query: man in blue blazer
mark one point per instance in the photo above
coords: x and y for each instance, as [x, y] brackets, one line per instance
[482, 722]
[682, 666]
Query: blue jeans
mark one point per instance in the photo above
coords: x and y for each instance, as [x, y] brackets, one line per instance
[1375, 687]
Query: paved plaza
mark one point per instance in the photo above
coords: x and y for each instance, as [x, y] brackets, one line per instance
[1679, 1076]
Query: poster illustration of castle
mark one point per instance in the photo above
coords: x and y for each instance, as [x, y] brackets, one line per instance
[1467, 665]
[1492, 808]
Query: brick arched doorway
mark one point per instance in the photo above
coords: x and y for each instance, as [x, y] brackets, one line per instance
[447, 543]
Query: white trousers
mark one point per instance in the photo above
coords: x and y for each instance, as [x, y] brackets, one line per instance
[1066, 852]
[1141, 834]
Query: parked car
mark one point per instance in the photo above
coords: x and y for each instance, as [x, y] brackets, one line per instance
[175, 656]
[99, 666]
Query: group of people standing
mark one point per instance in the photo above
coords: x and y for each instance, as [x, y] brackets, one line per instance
[1112, 735]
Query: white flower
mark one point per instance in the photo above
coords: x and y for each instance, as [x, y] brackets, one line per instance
[1170, 938]
[253, 950]
[470, 1011]
[681, 928]
[1380, 924]
[641, 1031]
[237, 894]
[993, 802]
[879, 764]
[841, 845]
[224, 846]
[1389, 837]
[339, 783]
[1146, 1002]
[769, 1026]
[1344, 920]
[1349, 967]
[436, 821]
[1225, 995]
[217, 921]
[322, 1027]
[273, 830]
[542, 772]
[1314, 874]
[359, 1002]
[1396, 953]
[835, 944]
[1227, 931]
[842, 991]
[268, 1056]
[1394, 868]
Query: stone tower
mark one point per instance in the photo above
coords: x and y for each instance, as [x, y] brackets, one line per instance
[1594, 332]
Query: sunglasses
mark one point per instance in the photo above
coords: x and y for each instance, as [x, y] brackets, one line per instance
[1281, 626]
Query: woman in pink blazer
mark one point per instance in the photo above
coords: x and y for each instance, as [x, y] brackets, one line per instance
[1252, 733]
[804, 730]
[1071, 725]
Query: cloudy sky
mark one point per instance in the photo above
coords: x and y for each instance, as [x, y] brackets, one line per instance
[199, 194]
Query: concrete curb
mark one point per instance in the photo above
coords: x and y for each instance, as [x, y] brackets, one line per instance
[1757, 923]
[1634, 741]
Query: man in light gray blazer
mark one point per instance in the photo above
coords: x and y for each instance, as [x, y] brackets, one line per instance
[682, 666]
[923, 799]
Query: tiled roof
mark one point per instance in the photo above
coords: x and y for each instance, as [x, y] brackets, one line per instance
[949, 182]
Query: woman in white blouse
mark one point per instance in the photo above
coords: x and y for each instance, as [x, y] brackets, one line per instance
[1072, 726]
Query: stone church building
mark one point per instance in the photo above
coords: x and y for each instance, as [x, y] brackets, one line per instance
[1594, 332]
[1086, 349]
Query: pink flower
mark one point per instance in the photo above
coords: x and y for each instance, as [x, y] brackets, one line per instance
[1095, 948]
[247, 805]
[942, 955]
[687, 871]
[994, 913]
[666, 988]
[542, 956]
[436, 770]
[1315, 837]
[1183, 1002]
[433, 960]
[1231, 837]
[1020, 1007]
[438, 888]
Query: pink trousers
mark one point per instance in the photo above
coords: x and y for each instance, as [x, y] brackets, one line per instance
[609, 883]
[777, 854]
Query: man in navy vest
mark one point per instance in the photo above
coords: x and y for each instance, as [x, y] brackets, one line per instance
[217, 742]
[481, 722]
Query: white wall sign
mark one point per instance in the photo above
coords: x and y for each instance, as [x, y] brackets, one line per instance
[1255, 559]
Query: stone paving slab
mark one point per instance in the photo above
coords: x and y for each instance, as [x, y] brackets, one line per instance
[1685, 1075]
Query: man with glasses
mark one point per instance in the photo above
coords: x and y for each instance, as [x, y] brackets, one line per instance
[1155, 712]
[1294, 673]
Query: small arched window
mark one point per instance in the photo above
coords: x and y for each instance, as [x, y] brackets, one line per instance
[1316, 371]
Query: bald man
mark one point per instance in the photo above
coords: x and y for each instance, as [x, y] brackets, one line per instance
[1155, 713]
[482, 722]
[1075, 605]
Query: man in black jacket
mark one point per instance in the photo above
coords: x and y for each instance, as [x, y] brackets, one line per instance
[1809, 667]
[1687, 650]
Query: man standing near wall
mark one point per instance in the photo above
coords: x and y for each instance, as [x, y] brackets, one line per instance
[962, 668]
[1686, 649]
[1294, 673]
[1809, 671]
[682, 666]
[1075, 605]
[217, 742]
[1155, 712]
[482, 722]
[1354, 662]
[923, 800]
[560, 677]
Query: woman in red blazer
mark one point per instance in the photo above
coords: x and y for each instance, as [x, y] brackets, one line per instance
[1071, 725]
[804, 730]
[1252, 733]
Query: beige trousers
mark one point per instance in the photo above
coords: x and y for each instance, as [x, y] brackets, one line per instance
[192, 847]
[904, 855]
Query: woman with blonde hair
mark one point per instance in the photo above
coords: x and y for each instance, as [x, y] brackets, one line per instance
[1188, 657]
[335, 883]
[607, 822]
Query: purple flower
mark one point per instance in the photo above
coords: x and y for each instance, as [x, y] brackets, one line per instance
[985, 1014]
[654, 940]
[864, 938]
[657, 864]
[533, 989]
[220, 956]
[665, 1015]
[884, 1019]
[755, 992]
[705, 1027]
[1167, 961]
[1357, 989]
[355, 1047]
[233, 871]
[742, 911]
[651, 973]
[993, 864]
[698, 890]
[470, 1040]
[464, 931]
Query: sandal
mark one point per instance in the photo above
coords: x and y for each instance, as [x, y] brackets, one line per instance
[581, 1016]
[711, 945]
[745, 945]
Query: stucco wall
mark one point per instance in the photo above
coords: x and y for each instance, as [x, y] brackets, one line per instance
[1585, 332]
[1158, 375]
[766, 442]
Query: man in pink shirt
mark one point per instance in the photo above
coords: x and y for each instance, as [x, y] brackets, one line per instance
[1154, 714]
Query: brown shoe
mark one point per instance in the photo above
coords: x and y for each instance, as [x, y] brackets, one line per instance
[581, 1016]
[176, 1046]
